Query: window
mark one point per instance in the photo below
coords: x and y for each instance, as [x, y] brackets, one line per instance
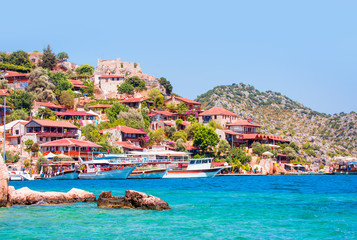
[192, 162]
[198, 161]
[17, 132]
[215, 116]
[205, 161]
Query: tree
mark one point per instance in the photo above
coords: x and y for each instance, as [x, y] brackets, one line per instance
[239, 156]
[46, 113]
[158, 135]
[28, 144]
[67, 99]
[178, 123]
[192, 119]
[60, 81]
[40, 86]
[35, 148]
[294, 146]
[20, 58]
[205, 138]
[180, 135]
[4, 84]
[62, 55]
[182, 108]
[180, 147]
[223, 147]
[213, 124]
[48, 59]
[85, 69]
[19, 99]
[18, 114]
[166, 84]
[114, 110]
[170, 131]
[126, 88]
[259, 149]
[133, 118]
[87, 130]
[191, 130]
[290, 152]
[136, 82]
[90, 87]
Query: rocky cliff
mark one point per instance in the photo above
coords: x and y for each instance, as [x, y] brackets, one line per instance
[320, 135]
[4, 183]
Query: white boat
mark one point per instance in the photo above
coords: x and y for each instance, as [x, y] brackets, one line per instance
[66, 175]
[196, 168]
[102, 169]
[22, 175]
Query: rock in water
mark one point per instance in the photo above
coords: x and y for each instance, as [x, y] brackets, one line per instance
[26, 196]
[4, 183]
[132, 199]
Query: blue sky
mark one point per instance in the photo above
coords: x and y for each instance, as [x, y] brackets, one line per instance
[306, 50]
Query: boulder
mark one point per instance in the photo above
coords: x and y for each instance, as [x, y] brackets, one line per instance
[4, 183]
[26, 196]
[132, 199]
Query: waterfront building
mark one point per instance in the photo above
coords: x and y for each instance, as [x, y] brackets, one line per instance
[124, 134]
[42, 131]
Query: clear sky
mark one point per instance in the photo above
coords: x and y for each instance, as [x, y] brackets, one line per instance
[306, 50]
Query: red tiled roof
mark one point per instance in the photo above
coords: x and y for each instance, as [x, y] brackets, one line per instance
[100, 106]
[190, 147]
[231, 132]
[74, 113]
[165, 113]
[15, 74]
[217, 111]
[134, 100]
[4, 92]
[69, 142]
[49, 123]
[124, 129]
[185, 100]
[243, 123]
[169, 123]
[111, 76]
[49, 105]
[78, 83]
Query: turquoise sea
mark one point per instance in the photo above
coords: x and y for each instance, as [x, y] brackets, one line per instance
[254, 207]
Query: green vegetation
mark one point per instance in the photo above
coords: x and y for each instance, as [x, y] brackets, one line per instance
[41, 87]
[85, 69]
[166, 84]
[19, 99]
[48, 59]
[205, 139]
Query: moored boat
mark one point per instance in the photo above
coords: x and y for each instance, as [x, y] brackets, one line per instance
[196, 168]
[345, 168]
[148, 173]
[104, 169]
[65, 170]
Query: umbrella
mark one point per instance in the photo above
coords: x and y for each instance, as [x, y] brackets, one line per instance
[50, 155]
[267, 154]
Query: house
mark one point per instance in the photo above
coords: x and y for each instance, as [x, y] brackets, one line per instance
[110, 83]
[246, 132]
[42, 131]
[72, 147]
[50, 105]
[17, 81]
[161, 116]
[175, 100]
[136, 102]
[77, 84]
[124, 133]
[220, 115]
[76, 115]
[17, 131]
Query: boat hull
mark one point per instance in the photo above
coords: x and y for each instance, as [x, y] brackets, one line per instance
[20, 177]
[108, 175]
[345, 172]
[204, 173]
[148, 174]
[66, 176]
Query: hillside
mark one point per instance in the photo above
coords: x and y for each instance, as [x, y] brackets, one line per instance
[323, 135]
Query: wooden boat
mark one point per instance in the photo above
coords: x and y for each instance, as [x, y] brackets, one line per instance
[345, 168]
[66, 170]
[196, 168]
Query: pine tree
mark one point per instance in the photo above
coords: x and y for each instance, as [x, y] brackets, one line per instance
[48, 59]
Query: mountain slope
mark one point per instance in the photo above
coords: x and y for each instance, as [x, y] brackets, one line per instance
[278, 114]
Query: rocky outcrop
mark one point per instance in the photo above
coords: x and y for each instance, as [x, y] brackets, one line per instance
[26, 196]
[4, 183]
[132, 199]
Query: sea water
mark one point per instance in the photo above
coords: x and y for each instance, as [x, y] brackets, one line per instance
[249, 207]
